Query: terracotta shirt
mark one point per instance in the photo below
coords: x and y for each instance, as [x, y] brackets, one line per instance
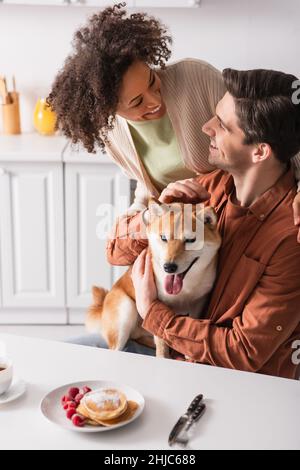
[253, 320]
[231, 226]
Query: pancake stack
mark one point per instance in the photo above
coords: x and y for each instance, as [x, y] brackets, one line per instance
[106, 407]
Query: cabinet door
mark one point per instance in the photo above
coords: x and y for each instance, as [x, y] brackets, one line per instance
[94, 194]
[167, 3]
[32, 235]
[98, 3]
[35, 2]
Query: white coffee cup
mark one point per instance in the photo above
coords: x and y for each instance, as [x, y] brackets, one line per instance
[6, 374]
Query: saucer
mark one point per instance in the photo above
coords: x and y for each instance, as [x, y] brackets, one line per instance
[16, 390]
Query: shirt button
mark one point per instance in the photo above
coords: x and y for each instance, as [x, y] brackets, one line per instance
[279, 328]
[262, 216]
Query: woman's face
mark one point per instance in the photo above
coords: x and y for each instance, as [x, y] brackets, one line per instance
[140, 95]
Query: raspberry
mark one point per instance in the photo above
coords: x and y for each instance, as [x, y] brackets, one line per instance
[70, 404]
[86, 389]
[70, 412]
[64, 399]
[73, 392]
[78, 420]
[78, 398]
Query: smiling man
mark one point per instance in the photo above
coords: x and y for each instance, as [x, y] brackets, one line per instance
[253, 318]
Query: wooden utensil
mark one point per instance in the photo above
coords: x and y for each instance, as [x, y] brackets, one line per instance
[6, 98]
[10, 108]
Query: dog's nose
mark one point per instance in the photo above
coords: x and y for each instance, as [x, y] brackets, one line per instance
[170, 267]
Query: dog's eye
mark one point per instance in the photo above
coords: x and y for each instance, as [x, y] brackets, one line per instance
[190, 240]
[163, 238]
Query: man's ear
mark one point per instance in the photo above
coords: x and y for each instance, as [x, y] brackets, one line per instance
[261, 152]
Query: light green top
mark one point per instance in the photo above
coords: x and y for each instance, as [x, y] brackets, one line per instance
[156, 144]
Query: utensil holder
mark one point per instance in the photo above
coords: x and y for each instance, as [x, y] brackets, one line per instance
[11, 115]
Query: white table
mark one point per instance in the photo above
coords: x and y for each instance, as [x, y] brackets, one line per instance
[244, 410]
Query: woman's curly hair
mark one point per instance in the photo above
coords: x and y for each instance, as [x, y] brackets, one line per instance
[85, 92]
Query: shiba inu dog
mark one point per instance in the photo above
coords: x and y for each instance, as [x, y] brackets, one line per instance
[184, 242]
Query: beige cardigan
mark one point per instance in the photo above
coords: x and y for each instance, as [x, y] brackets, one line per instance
[191, 88]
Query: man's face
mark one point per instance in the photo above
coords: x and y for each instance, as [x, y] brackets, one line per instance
[227, 150]
[140, 95]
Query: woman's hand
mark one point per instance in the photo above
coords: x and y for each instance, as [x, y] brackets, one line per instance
[143, 282]
[186, 191]
[296, 208]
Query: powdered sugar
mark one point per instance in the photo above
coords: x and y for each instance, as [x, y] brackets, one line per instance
[104, 397]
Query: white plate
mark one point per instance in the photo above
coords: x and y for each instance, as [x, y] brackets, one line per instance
[54, 412]
[17, 389]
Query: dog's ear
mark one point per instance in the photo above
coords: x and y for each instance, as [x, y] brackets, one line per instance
[156, 207]
[208, 216]
[153, 200]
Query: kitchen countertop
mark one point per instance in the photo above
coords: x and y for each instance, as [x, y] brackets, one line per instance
[244, 410]
[33, 147]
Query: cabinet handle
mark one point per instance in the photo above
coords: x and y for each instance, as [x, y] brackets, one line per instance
[2, 172]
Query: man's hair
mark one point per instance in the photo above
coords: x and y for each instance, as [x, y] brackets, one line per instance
[85, 92]
[265, 109]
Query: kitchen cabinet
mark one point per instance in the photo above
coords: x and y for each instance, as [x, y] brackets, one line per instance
[88, 3]
[167, 3]
[35, 2]
[32, 230]
[53, 202]
[99, 3]
[32, 249]
[93, 193]
[105, 3]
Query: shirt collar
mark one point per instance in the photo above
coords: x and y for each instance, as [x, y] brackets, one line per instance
[271, 198]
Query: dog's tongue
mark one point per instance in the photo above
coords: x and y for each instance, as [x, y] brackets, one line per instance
[173, 283]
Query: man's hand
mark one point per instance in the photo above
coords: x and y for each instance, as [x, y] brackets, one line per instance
[186, 191]
[143, 282]
[296, 208]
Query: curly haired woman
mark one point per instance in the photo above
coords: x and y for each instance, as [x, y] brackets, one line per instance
[115, 91]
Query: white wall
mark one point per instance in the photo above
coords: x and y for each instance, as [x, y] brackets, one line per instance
[238, 33]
